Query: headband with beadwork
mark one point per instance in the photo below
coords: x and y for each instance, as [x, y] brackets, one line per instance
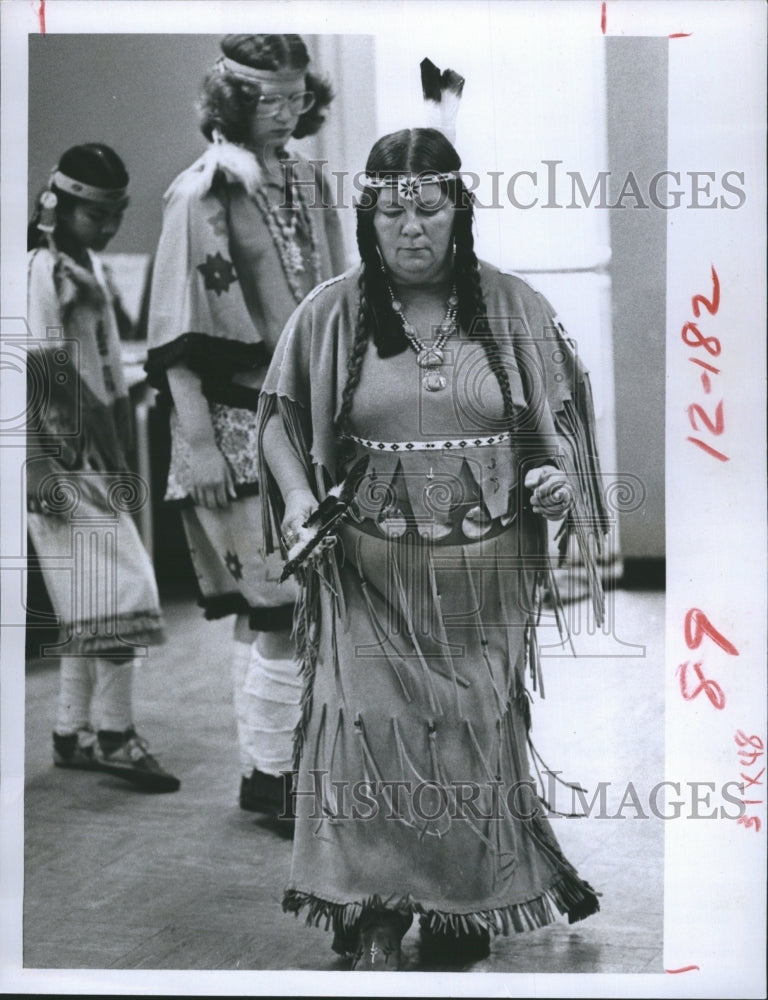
[104, 196]
[227, 65]
[408, 185]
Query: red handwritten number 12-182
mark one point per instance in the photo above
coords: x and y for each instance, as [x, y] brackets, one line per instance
[712, 423]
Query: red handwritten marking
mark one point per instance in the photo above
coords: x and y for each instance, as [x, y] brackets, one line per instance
[710, 451]
[757, 749]
[603, 17]
[741, 739]
[711, 688]
[716, 426]
[681, 34]
[704, 364]
[684, 968]
[710, 344]
[706, 382]
[697, 625]
[750, 822]
[712, 306]
[752, 780]
[41, 16]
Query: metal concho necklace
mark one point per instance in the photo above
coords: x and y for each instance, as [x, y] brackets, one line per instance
[429, 357]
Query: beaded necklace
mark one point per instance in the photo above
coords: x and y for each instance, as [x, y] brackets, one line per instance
[429, 357]
[282, 222]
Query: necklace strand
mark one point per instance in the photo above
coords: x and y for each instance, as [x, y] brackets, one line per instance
[429, 357]
[283, 235]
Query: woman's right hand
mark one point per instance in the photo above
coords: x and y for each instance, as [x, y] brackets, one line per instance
[299, 504]
[212, 484]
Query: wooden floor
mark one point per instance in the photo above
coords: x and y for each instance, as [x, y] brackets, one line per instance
[115, 879]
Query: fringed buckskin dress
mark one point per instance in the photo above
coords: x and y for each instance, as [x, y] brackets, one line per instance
[418, 630]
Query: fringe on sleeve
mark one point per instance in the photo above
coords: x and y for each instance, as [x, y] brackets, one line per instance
[587, 521]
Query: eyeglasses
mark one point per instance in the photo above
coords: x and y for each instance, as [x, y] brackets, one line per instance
[270, 105]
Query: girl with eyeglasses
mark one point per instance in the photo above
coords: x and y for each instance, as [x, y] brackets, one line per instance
[248, 231]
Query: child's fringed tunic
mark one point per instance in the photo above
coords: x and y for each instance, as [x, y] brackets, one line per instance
[80, 493]
[419, 629]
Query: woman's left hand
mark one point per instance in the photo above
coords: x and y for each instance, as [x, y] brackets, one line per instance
[552, 496]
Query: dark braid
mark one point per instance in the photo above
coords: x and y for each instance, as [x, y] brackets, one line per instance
[354, 367]
[473, 313]
[416, 151]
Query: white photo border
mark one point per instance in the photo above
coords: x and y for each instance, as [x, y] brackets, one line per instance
[715, 873]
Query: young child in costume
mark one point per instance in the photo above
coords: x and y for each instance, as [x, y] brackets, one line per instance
[80, 492]
[247, 232]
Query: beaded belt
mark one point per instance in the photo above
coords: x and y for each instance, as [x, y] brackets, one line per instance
[454, 444]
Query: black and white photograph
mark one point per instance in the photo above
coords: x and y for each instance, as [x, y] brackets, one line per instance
[383, 498]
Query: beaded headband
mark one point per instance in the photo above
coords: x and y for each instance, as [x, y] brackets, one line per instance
[227, 65]
[104, 196]
[408, 185]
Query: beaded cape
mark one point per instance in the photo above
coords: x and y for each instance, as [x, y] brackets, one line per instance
[200, 314]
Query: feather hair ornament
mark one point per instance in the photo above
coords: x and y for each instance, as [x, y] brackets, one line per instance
[236, 162]
[442, 95]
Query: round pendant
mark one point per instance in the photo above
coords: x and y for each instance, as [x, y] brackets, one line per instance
[391, 522]
[430, 357]
[433, 381]
[476, 523]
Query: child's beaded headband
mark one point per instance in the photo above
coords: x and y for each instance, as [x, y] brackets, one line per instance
[104, 196]
[68, 185]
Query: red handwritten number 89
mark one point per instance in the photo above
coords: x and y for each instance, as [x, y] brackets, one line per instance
[697, 625]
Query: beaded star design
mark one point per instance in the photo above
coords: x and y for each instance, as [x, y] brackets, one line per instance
[218, 272]
[408, 187]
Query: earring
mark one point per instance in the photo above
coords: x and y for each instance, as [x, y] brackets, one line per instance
[47, 221]
[381, 261]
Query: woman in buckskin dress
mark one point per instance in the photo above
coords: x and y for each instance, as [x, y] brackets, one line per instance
[449, 394]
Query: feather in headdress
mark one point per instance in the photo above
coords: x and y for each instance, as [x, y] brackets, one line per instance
[442, 96]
